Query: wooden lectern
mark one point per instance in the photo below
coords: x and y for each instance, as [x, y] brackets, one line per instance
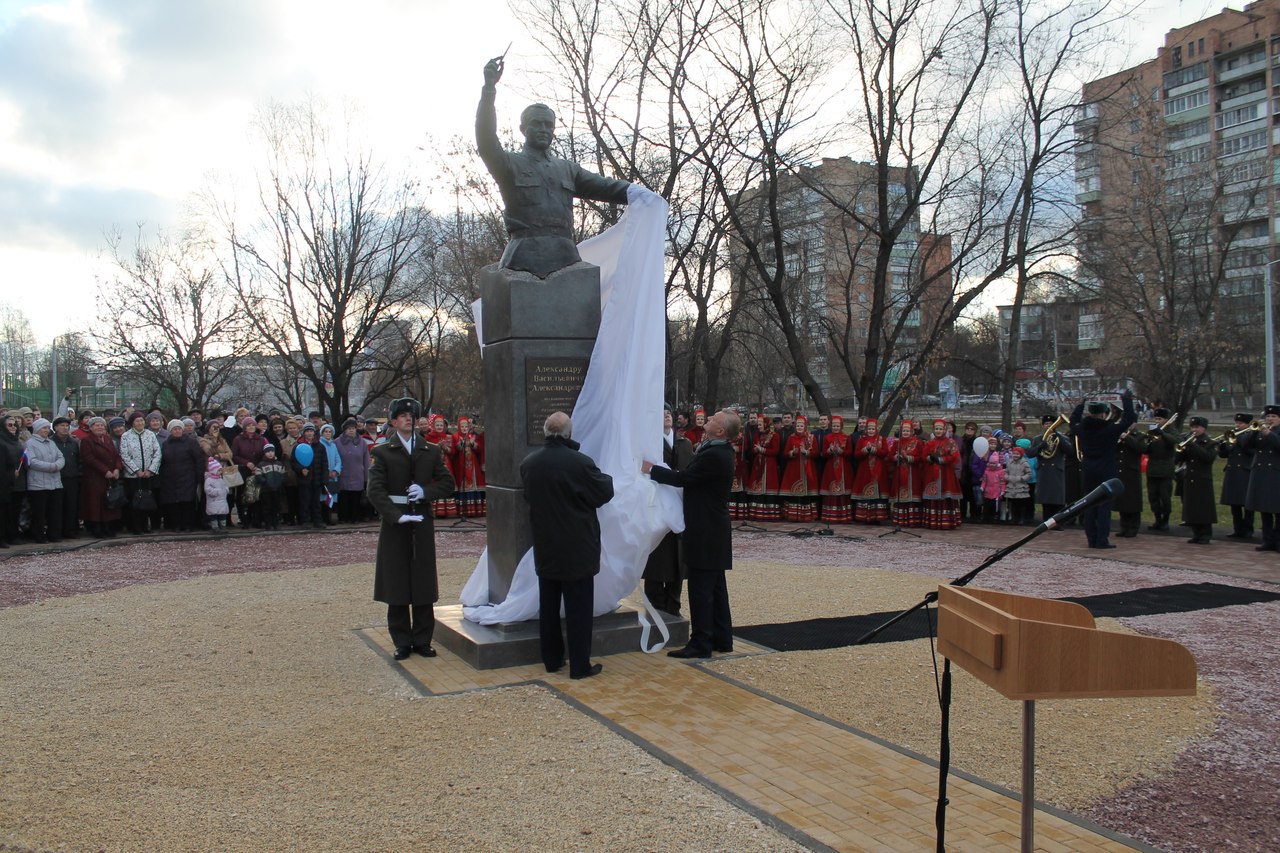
[1037, 648]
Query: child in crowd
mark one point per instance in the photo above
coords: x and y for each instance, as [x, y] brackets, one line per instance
[1017, 486]
[215, 496]
[992, 487]
[271, 488]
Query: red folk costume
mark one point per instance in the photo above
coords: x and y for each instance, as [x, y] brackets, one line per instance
[942, 490]
[799, 486]
[443, 507]
[908, 510]
[837, 475]
[739, 507]
[696, 432]
[762, 483]
[871, 484]
[468, 469]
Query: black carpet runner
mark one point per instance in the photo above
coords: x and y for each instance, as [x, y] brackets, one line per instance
[834, 632]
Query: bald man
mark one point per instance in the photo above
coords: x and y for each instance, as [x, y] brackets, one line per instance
[564, 489]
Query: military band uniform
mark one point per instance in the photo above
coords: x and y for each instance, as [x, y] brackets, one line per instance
[1051, 471]
[1235, 483]
[1129, 504]
[1160, 475]
[1263, 496]
[1098, 445]
[405, 571]
[1199, 509]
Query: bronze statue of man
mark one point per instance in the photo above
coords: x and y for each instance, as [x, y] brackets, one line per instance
[537, 189]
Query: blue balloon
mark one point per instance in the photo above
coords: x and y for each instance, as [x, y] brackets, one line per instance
[304, 454]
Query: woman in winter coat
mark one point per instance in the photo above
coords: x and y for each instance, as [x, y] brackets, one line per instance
[44, 483]
[140, 452]
[246, 452]
[180, 478]
[354, 473]
[10, 463]
[102, 467]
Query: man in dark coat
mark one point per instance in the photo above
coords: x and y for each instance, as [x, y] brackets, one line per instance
[1129, 468]
[1161, 469]
[1264, 480]
[708, 535]
[564, 489]
[405, 475]
[1235, 480]
[664, 572]
[1099, 439]
[1199, 510]
[1051, 467]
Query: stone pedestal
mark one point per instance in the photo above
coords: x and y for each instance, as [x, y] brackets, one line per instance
[499, 646]
[538, 337]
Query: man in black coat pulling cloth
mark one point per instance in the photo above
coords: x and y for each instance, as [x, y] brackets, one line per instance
[405, 475]
[708, 535]
[564, 489]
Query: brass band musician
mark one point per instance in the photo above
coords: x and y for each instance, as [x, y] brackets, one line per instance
[1263, 496]
[1199, 511]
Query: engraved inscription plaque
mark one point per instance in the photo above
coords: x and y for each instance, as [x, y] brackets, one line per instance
[551, 384]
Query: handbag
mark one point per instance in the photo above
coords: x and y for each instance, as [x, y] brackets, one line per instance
[115, 497]
[253, 490]
[231, 476]
[144, 500]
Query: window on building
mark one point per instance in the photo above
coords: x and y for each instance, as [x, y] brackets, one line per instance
[1244, 142]
[1135, 126]
[1135, 177]
[1189, 101]
[1135, 150]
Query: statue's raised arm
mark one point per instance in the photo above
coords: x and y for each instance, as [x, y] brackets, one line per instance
[537, 189]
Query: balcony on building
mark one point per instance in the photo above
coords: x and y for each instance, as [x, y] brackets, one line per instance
[1245, 67]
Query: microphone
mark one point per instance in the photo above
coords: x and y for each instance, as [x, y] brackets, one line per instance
[1110, 489]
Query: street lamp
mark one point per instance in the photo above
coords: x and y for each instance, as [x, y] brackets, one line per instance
[1269, 333]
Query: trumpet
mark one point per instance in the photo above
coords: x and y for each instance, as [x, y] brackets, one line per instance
[1256, 425]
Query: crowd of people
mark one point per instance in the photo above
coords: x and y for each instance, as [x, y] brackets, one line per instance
[142, 472]
[936, 475]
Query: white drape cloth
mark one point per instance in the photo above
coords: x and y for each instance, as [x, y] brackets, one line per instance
[618, 417]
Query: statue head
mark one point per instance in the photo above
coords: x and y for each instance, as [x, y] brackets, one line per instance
[538, 124]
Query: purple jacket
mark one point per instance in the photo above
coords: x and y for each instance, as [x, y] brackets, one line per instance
[355, 463]
[977, 467]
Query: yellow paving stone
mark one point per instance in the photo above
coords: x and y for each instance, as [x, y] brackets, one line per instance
[835, 786]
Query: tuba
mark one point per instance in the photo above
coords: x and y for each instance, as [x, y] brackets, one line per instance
[1050, 439]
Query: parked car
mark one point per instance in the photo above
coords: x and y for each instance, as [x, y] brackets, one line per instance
[928, 400]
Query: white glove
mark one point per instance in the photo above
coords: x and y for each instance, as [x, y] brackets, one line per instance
[414, 492]
[409, 519]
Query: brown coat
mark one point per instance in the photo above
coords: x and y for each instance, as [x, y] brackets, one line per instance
[405, 570]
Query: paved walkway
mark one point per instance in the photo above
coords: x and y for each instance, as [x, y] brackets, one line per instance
[826, 785]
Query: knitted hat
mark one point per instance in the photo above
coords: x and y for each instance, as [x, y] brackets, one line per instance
[1023, 443]
[115, 422]
[309, 428]
[134, 416]
[39, 424]
[214, 468]
[269, 448]
[174, 423]
[247, 421]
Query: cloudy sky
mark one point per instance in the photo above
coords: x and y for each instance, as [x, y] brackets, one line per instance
[114, 113]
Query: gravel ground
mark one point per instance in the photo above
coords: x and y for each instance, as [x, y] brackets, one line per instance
[178, 707]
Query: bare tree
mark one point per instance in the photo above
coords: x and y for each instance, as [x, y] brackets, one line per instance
[328, 263]
[168, 322]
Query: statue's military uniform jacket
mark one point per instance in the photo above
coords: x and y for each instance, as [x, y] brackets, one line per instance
[1235, 476]
[405, 572]
[1264, 479]
[1198, 505]
[538, 192]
